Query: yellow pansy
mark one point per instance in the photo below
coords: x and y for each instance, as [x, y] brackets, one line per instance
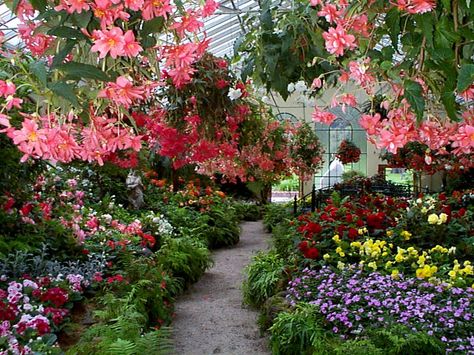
[406, 235]
[443, 218]
[326, 256]
[426, 271]
[389, 233]
[372, 265]
[336, 238]
[340, 265]
[421, 260]
[388, 264]
[356, 244]
[395, 274]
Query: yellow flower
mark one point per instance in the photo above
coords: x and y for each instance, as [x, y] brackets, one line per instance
[372, 265]
[399, 258]
[421, 260]
[360, 231]
[406, 235]
[326, 256]
[424, 210]
[388, 264]
[336, 238]
[356, 244]
[395, 274]
[340, 265]
[452, 274]
[433, 218]
[340, 252]
[443, 218]
[389, 233]
[426, 271]
[440, 249]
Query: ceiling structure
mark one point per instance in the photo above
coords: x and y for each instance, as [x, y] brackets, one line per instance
[224, 27]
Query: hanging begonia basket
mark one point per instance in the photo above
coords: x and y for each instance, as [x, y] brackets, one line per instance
[348, 152]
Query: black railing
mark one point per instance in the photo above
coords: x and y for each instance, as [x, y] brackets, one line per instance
[314, 199]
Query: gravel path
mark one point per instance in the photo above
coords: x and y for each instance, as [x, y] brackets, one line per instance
[210, 317]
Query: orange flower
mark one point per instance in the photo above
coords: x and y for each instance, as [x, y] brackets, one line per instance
[220, 194]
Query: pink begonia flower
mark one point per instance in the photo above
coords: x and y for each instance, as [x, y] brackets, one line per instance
[361, 25]
[109, 41]
[131, 48]
[134, 5]
[7, 88]
[370, 123]
[416, 6]
[13, 102]
[73, 6]
[463, 141]
[156, 8]
[391, 140]
[30, 139]
[323, 116]
[337, 40]
[122, 92]
[315, 2]
[316, 84]
[330, 13]
[209, 8]
[189, 23]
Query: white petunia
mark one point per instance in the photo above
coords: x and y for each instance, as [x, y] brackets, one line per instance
[234, 94]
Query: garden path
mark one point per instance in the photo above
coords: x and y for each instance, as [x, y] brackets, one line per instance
[210, 317]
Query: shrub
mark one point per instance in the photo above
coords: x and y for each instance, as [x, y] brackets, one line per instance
[263, 276]
[184, 257]
[247, 211]
[223, 229]
[275, 214]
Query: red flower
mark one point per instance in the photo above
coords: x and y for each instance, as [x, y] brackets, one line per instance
[148, 239]
[352, 233]
[349, 218]
[26, 209]
[9, 204]
[56, 296]
[311, 253]
[303, 246]
[222, 84]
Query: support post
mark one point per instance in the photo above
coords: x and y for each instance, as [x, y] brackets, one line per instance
[295, 205]
[313, 199]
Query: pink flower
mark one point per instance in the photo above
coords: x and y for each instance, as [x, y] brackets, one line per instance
[314, 2]
[109, 41]
[209, 8]
[156, 8]
[317, 83]
[30, 139]
[330, 13]
[337, 40]
[134, 5]
[323, 116]
[189, 23]
[131, 48]
[122, 92]
[370, 123]
[73, 6]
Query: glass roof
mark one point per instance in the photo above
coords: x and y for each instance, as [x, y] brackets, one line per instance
[224, 27]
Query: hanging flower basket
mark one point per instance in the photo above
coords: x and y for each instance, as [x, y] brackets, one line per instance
[348, 152]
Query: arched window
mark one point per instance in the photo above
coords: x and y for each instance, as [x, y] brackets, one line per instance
[345, 126]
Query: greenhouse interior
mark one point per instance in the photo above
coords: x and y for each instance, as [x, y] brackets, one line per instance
[238, 177]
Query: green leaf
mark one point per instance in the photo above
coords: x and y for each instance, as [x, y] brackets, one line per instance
[148, 42]
[15, 5]
[39, 70]
[66, 32]
[445, 36]
[153, 26]
[81, 70]
[39, 5]
[62, 54]
[392, 20]
[413, 92]
[465, 77]
[449, 102]
[66, 91]
[427, 25]
[82, 19]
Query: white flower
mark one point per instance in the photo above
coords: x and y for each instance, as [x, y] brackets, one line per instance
[452, 250]
[300, 87]
[107, 218]
[234, 94]
[291, 87]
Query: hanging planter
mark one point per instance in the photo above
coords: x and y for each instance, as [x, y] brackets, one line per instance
[348, 152]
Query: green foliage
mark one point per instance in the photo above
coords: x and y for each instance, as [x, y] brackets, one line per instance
[401, 340]
[247, 211]
[298, 332]
[284, 240]
[275, 213]
[223, 229]
[289, 184]
[128, 309]
[264, 275]
[185, 258]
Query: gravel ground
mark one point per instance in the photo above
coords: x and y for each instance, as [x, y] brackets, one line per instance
[210, 316]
